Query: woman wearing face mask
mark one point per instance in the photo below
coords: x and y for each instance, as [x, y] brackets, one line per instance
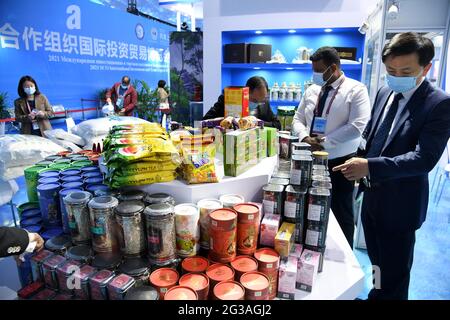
[32, 109]
[123, 96]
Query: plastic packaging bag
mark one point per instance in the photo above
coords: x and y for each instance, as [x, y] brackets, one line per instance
[198, 163]
[60, 134]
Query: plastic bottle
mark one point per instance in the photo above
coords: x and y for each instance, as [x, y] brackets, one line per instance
[274, 92]
[290, 92]
[283, 92]
[298, 92]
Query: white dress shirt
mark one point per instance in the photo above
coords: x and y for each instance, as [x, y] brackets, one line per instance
[347, 119]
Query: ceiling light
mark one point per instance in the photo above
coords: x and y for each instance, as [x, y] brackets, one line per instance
[292, 31]
[258, 32]
[328, 30]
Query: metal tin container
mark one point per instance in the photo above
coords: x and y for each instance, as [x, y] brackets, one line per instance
[47, 180]
[33, 221]
[49, 203]
[72, 185]
[76, 205]
[49, 270]
[320, 157]
[49, 174]
[187, 229]
[27, 206]
[94, 180]
[82, 254]
[147, 293]
[320, 178]
[92, 174]
[269, 263]
[243, 264]
[160, 227]
[159, 198]
[45, 163]
[98, 283]
[136, 268]
[50, 232]
[294, 205]
[319, 205]
[206, 206]
[181, 293]
[228, 290]
[219, 272]
[64, 216]
[132, 195]
[198, 282]
[53, 158]
[273, 198]
[81, 163]
[247, 227]
[195, 264]
[316, 172]
[281, 175]
[281, 182]
[131, 228]
[89, 169]
[65, 273]
[31, 213]
[109, 261]
[59, 166]
[163, 279]
[63, 160]
[103, 224]
[223, 230]
[59, 244]
[65, 179]
[70, 172]
[322, 184]
[98, 190]
[285, 142]
[319, 167]
[82, 277]
[119, 286]
[36, 262]
[256, 285]
[301, 170]
[301, 146]
[229, 200]
[315, 235]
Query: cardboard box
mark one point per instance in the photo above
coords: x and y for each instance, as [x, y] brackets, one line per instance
[235, 53]
[272, 141]
[236, 101]
[307, 270]
[287, 276]
[259, 53]
[285, 239]
[269, 228]
[241, 151]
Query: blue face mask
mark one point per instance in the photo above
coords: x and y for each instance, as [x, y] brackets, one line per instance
[253, 105]
[318, 78]
[124, 87]
[401, 84]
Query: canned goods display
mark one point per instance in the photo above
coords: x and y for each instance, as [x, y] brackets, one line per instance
[206, 206]
[130, 195]
[256, 285]
[181, 293]
[48, 195]
[119, 286]
[108, 261]
[198, 282]
[273, 199]
[229, 290]
[322, 184]
[160, 227]
[229, 200]
[301, 170]
[222, 232]
[195, 264]
[315, 235]
[320, 157]
[47, 180]
[294, 206]
[163, 279]
[136, 268]
[247, 227]
[49, 270]
[64, 215]
[278, 181]
[64, 273]
[82, 253]
[131, 228]
[76, 205]
[187, 229]
[65, 179]
[219, 272]
[36, 262]
[159, 198]
[243, 264]
[269, 263]
[103, 224]
[70, 172]
[58, 244]
[147, 293]
[319, 205]
[98, 284]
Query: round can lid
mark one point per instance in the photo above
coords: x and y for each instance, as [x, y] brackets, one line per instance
[321, 184]
[106, 260]
[319, 167]
[59, 166]
[195, 264]
[79, 253]
[220, 272]
[244, 264]
[28, 205]
[320, 154]
[186, 209]
[44, 162]
[129, 208]
[103, 202]
[273, 188]
[302, 152]
[319, 192]
[131, 195]
[301, 157]
[94, 180]
[231, 198]
[48, 186]
[145, 292]
[223, 214]
[52, 158]
[158, 209]
[295, 189]
[66, 191]
[158, 198]
[49, 174]
[51, 232]
[36, 220]
[35, 168]
[181, 293]
[164, 277]
[196, 281]
[62, 160]
[70, 172]
[72, 185]
[134, 267]
[92, 174]
[94, 187]
[301, 144]
[60, 242]
[76, 197]
[30, 213]
[229, 290]
[246, 208]
[90, 169]
[210, 204]
[71, 178]
[267, 255]
[254, 281]
[48, 180]
[33, 229]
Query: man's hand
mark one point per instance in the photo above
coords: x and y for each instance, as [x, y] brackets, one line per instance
[40, 114]
[36, 238]
[354, 169]
[315, 143]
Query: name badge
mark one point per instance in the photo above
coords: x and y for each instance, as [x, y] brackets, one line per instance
[35, 126]
[319, 125]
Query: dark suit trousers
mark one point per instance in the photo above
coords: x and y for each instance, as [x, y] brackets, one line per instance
[391, 251]
[342, 199]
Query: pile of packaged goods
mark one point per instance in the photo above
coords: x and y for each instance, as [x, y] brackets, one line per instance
[139, 154]
[296, 204]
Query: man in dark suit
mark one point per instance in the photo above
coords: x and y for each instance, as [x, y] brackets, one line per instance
[407, 133]
[15, 241]
[259, 105]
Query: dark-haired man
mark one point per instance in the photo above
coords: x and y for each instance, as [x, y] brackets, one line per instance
[123, 96]
[407, 133]
[259, 105]
[332, 116]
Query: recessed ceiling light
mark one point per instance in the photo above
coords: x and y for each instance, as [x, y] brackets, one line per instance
[258, 32]
[328, 30]
[292, 31]
[256, 68]
[289, 68]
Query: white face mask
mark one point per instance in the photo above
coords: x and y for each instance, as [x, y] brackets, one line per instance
[30, 91]
[318, 77]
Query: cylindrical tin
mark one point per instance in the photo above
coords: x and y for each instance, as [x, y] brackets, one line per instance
[63, 160]
[219, 272]
[136, 268]
[27, 205]
[45, 163]
[119, 286]
[36, 262]
[147, 293]
[81, 163]
[301, 170]
[98, 283]
[49, 204]
[64, 273]
[103, 224]
[187, 229]
[80, 158]
[70, 172]
[53, 158]
[30, 212]
[64, 216]
[131, 228]
[72, 185]
[65, 179]
[159, 198]
[322, 184]
[195, 264]
[59, 244]
[109, 261]
[278, 181]
[160, 227]
[229, 200]
[228, 290]
[243, 264]
[89, 169]
[198, 282]
[59, 166]
[319, 205]
[163, 279]
[316, 172]
[50, 232]
[93, 174]
[98, 190]
[316, 234]
[301, 146]
[47, 180]
[273, 199]
[94, 180]
[269, 263]
[256, 285]
[181, 293]
[132, 195]
[320, 157]
[49, 270]
[64, 153]
[33, 221]
[76, 205]
[223, 229]
[281, 175]
[82, 253]
[206, 206]
[294, 206]
[247, 227]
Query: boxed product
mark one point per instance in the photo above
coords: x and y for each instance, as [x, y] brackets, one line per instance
[287, 276]
[307, 270]
[285, 239]
[262, 144]
[235, 53]
[236, 101]
[272, 141]
[269, 229]
[285, 141]
[259, 53]
[286, 116]
[240, 151]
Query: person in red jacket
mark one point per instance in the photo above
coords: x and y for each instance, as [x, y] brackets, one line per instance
[123, 96]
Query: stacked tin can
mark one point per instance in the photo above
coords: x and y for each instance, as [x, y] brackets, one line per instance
[103, 224]
[187, 229]
[222, 232]
[131, 226]
[268, 264]
[247, 227]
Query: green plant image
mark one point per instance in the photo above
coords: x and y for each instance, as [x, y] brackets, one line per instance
[148, 101]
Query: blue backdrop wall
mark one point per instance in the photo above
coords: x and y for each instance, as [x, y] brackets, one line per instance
[75, 48]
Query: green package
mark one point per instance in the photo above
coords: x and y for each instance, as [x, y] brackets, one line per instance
[241, 151]
[272, 140]
[31, 179]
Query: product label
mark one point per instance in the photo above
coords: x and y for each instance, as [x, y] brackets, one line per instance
[312, 237]
[98, 230]
[314, 212]
[258, 294]
[269, 206]
[296, 176]
[269, 266]
[290, 209]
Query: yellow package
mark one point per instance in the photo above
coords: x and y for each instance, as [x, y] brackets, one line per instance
[198, 164]
[142, 179]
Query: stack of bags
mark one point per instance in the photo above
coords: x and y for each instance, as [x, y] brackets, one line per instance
[139, 154]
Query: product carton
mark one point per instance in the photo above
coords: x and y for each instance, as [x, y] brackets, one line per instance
[287, 275]
[236, 101]
[307, 270]
[269, 229]
[285, 239]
